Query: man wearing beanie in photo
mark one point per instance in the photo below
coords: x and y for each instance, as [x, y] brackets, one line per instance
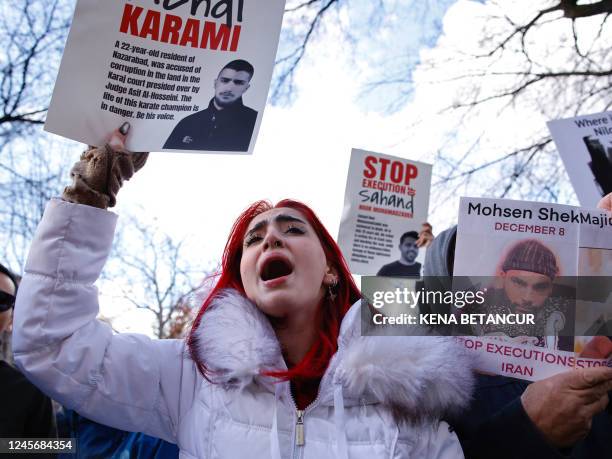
[527, 274]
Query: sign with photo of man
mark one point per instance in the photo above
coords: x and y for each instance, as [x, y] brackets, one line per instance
[525, 257]
[187, 75]
[385, 204]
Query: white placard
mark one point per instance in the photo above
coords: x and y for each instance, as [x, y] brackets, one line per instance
[386, 197]
[585, 145]
[187, 75]
[527, 248]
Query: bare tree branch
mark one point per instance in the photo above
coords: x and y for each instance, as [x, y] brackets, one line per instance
[160, 276]
[573, 10]
[289, 63]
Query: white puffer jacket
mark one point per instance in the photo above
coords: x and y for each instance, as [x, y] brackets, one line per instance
[379, 398]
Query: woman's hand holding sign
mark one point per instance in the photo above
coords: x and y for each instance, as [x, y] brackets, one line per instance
[101, 171]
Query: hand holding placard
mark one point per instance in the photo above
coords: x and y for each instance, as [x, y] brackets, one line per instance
[426, 236]
[101, 171]
[562, 406]
[606, 202]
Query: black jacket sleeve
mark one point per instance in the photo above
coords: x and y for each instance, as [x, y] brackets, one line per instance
[41, 420]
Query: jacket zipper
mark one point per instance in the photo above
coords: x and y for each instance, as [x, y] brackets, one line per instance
[300, 437]
[299, 428]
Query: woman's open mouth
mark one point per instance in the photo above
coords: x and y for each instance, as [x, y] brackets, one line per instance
[275, 270]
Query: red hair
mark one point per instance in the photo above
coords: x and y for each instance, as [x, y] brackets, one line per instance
[329, 313]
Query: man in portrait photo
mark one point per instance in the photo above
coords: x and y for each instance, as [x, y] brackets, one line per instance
[526, 286]
[406, 266]
[226, 124]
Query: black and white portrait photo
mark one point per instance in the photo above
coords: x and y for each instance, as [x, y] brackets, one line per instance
[406, 266]
[226, 124]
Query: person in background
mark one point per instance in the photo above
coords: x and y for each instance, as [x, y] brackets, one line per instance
[97, 441]
[25, 412]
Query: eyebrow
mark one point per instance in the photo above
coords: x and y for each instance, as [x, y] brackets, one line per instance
[280, 218]
[543, 284]
[235, 80]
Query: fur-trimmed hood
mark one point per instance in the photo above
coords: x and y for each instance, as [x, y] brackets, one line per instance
[417, 377]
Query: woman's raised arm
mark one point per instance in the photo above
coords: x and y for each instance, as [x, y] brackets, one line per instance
[127, 381]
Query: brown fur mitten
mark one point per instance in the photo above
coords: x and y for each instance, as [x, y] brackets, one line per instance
[99, 174]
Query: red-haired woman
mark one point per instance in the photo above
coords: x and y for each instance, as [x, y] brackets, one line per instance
[274, 366]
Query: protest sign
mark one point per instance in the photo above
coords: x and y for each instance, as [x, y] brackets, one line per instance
[187, 74]
[585, 145]
[385, 203]
[531, 251]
